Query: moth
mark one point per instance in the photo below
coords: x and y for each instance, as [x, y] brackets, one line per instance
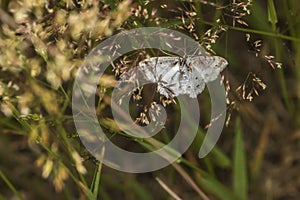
[182, 75]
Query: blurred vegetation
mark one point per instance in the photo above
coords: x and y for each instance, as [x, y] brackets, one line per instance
[43, 43]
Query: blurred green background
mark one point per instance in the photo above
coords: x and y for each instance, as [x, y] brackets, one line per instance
[43, 43]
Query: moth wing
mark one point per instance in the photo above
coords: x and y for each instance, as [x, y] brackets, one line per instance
[164, 71]
[178, 78]
[208, 67]
[155, 67]
[197, 84]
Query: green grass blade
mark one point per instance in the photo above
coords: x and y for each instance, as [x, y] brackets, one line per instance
[96, 182]
[218, 189]
[239, 164]
[218, 157]
[2, 197]
[265, 33]
[10, 185]
[272, 16]
[136, 189]
[140, 191]
[170, 152]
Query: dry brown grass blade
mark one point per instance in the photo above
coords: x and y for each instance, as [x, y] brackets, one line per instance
[179, 169]
[260, 149]
[167, 189]
[190, 181]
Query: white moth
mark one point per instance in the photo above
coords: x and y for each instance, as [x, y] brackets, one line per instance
[177, 75]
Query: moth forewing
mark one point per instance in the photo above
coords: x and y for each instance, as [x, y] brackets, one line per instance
[186, 75]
